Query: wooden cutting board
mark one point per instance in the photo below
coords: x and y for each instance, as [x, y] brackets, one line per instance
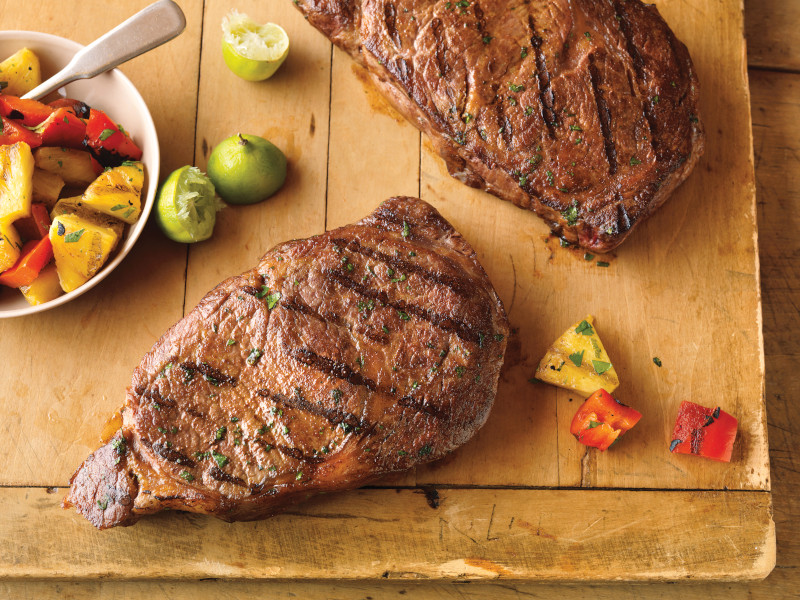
[522, 500]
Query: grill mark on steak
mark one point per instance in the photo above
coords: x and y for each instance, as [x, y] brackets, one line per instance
[458, 285]
[460, 328]
[249, 289]
[604, 115]
[546, 96]
[298, 454]
[330, 367]
[332, 415]
[169, 454]
[503, 124]
[155, 396]
[390, 18]
[216, 473]
[441, 58]
[212, 375]
[421, 406]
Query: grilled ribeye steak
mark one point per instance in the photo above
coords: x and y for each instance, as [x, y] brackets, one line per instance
[584, 111]
[369, 349]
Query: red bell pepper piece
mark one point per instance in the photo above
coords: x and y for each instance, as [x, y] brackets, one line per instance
[36, 226]
[30, 112]
[104, 137]
[76, 107]
[601, 420]
[62, 128]
[14, 131]
[35, 256]
[708, 432]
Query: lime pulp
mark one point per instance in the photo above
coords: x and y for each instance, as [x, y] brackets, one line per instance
[252, 51]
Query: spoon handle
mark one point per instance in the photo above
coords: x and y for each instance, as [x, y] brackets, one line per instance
[147, 29]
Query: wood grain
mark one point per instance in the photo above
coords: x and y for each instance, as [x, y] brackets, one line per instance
[772, 34]
[547, 535]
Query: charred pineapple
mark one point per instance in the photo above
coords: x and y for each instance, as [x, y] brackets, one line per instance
[578, 361]
[80, 246]
[16, 181]
[117, 192]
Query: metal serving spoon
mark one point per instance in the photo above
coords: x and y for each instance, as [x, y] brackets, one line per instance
[158, 23]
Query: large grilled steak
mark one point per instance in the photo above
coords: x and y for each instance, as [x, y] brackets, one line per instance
[369, 349]
[584, 111]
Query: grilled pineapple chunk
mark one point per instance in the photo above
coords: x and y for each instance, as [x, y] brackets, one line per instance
[47, 187]
[16, 181]
[75, 167]
[578, 361]
[117, 192]
[20, 72]
[75, 206]
[10, 246]
[44, 288]
[80, 247]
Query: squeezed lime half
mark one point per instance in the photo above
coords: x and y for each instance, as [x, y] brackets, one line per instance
[252, 51]
[187, 205]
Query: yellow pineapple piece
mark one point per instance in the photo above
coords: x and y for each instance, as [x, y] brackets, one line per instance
[75, 167]
[75, 206]
[44, 288]
[80, 247]
[578, 361]
[47, 187]
[20, 73]
[16, 181]
[118, 192]
[10, 246]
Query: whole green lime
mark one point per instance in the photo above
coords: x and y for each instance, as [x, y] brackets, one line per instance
[246, 169]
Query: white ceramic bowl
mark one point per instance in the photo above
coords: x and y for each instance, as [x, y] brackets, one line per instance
[114, 94]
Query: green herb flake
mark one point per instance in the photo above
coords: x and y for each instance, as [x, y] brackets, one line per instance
[385, 329]
[523, 52]
[105, 134]
[254, 356]
[571, 214]
[656, 361]
[103, 504]
[600, 366]
[264, 291]
[187, 476]
[120, 446]
[221, 459]
[404, 316]
[128, 213]
[596, 346]
[73, 237]
[487, 39]
[516, 88]
[162, 430]
[118, 207]
[593, 424]
[563, 243]
[272, 300]
[602, 263]
[230, 342]
[575, 128]
[299, 476]
[425, 450]
[655, 99]
[460, 371]
[588, 256]
[406, 229]
[635, 161]
[577, 358]
[585, 328]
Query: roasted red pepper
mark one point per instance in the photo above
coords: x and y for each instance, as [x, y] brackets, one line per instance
[109, 144]
[36, 226]
[601, 420]
[62, 128]
[15, 131]
[76, 107]
[708, 432]
[35, 256]
[30, 112]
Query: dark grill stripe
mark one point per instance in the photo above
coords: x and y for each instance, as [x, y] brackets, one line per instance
[216, 473]
[441, 57]
[215, 376]
[298, 454]
[331, 367]
[154, 395]
[390, 18]
[604, 115]
[546, 96]
[459, 285]
[420, 406]
[332, 415]
[168, 454]
[503, 124]
[460, 328]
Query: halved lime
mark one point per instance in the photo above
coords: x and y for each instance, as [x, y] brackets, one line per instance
[252, 51]
[186, 207]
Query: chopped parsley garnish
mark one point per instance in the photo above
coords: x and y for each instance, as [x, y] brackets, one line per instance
[657, 361]
[403, 315]
[487, 39]
[523, 52]
[254, 356]
[161, 430]
[602, 263]
[230, 342]
[221, 433]
[337, 395]
[564, 243]
[118, 207]
[272, 300]
[577, 358]
[187, 476]
[425, 450]
[264, 291]
[73, 237]
[585, 328]
[299, 476]
[105, 134]
[516, 88]
[120, 446]
[600, 366]
[571, 214]
[221, 459]
[406, 229]
[635, 161]
[656, 99]
[385, 329]
[593, 424]
[575, 128]
[588, 256]
[460, 371]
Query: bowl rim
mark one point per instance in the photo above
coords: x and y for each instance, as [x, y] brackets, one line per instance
[153, 174]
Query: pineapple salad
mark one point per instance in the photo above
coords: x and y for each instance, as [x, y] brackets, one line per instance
[70, 181]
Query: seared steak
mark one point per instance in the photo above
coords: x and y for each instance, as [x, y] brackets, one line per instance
[584, 111]
[369, 349]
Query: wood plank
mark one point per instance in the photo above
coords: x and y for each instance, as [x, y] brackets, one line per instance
[53, 404]
[666, 293]
[291, 110]
[549, 535]
[772, 34]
